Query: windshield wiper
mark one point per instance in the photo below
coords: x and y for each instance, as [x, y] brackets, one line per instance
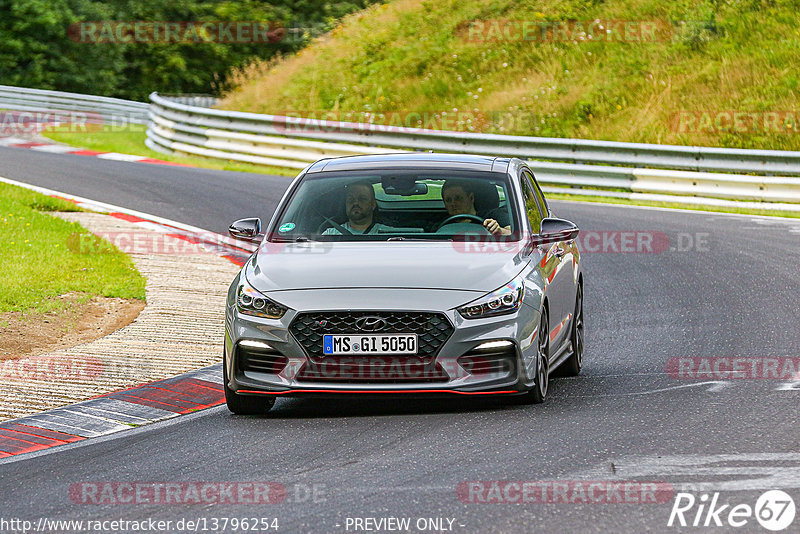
[416, 238]
[298, 239]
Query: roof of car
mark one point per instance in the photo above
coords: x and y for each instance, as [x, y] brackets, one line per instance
[412, 160]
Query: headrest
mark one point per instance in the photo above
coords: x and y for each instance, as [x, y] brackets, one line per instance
[486, 196]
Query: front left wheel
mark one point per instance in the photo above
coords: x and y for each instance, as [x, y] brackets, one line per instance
[244, 404]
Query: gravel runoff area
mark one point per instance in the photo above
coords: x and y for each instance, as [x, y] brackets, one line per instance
[180, 329]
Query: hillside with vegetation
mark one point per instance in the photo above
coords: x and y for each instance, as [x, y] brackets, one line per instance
[88, 46]
[702, 72]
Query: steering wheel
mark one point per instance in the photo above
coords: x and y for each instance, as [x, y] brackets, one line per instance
[472, 218]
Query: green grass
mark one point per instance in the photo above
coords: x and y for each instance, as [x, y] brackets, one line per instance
[39, 259]
[131, 141]
[415, 56]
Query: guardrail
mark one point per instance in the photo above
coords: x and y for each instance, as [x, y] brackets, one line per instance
[112, 110]
[678, 174]
[769, 162]
[187, 124]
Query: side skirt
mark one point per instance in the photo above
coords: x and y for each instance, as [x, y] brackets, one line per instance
[561, 355]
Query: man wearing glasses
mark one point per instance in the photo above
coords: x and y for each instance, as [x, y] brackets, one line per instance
[458, 199]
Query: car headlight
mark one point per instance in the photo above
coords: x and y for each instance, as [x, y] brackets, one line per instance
[507, 299]
[251, 302]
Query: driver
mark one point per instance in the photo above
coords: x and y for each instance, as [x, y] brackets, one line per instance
[458, 200]
[360, 205]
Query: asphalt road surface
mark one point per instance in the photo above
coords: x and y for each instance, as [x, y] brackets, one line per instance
[723, 287]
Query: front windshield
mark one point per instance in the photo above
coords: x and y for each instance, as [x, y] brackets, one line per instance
[432, 205]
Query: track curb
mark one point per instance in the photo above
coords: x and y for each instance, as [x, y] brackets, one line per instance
[114, 412]
[128, 408]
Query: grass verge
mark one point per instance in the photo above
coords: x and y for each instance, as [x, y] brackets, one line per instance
[131, 141]
[715, 73]
[38, 259]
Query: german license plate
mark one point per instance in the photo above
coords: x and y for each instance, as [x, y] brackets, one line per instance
[334, 344]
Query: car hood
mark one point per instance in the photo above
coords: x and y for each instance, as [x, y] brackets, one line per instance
[396, 264]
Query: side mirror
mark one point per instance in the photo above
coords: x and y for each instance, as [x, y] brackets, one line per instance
[246, 230]
[554, 230]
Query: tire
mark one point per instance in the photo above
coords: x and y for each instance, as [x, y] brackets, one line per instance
[538, 393]
[244, 404]
[574, 364]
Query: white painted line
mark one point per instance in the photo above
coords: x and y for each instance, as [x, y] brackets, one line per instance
[716, 386]
[112, 425]
[56, 149]
[761, 471]
[794, 385]
[38, 422]
[117, 417]
[212, 373]
[103, 207]
[140, 411]
[120, 157]
[160, 228]
[6, 141]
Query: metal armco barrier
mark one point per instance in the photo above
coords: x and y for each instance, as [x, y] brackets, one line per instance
[187, 124]
[113, 111]
[769, 162]
[575, 165]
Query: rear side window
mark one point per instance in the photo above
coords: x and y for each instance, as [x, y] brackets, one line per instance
[532, 208]
[539, 196]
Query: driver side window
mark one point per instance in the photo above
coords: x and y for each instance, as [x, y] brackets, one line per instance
[531, 205]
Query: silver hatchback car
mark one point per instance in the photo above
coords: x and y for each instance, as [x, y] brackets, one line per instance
[405, 274]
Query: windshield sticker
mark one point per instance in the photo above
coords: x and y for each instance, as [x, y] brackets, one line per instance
[286, 227]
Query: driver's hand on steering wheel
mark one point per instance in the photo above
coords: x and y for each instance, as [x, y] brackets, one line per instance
[494, 227]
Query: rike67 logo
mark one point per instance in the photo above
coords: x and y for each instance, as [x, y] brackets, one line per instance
[774, 510]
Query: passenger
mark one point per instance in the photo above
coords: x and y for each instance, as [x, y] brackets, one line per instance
[360, 205]
[459, 199]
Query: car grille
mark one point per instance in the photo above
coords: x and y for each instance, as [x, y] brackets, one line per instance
[432, 329]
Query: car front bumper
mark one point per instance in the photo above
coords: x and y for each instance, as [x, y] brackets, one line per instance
[490, 356]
